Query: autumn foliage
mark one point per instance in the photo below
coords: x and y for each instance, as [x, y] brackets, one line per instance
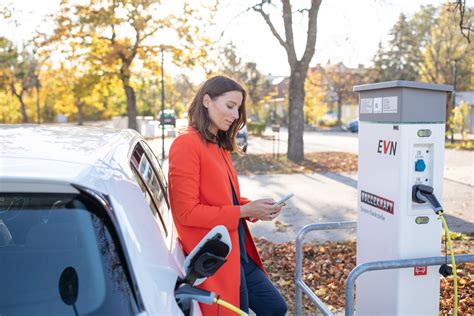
[327, 265]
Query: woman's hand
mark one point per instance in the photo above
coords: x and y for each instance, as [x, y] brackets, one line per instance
[263, 209]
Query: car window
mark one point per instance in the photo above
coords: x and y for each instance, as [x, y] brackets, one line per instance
[157, 166]
[150, 182]
[53, 243]
[151, 202]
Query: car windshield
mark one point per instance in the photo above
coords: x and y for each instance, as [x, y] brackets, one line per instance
[60, 256]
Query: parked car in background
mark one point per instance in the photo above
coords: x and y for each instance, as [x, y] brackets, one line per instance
[168, 117]
[242, 138]
[85, 225]
[328, 119]
[353, 125]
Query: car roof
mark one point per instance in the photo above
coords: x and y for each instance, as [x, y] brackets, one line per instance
[72, 154]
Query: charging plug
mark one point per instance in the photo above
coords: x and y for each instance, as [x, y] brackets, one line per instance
[423, 193]
[185, 292]
[445, 270]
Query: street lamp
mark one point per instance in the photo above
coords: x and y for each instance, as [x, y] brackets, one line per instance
[162, 107]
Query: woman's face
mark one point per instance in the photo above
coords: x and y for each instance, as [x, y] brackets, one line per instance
[223, 110]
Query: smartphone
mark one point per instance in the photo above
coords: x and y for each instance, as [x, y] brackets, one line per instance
[286, 198]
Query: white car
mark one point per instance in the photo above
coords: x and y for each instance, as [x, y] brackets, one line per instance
[85, 225]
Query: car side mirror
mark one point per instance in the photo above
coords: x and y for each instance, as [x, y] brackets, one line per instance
[208, 256]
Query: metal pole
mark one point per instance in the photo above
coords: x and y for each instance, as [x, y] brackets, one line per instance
[162, 108]
[278, 145]
[392, 264]
[299, 283]
[273, 142]
[453, 96]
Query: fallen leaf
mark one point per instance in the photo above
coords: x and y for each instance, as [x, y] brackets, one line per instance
[283, 282]
[320, 292]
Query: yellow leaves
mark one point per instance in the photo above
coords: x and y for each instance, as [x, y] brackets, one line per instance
[321, 292]
[282, 282]
[326, 267]
[281, 227]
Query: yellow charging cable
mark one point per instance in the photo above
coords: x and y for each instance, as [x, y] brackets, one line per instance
[453, 262]
[230, 306]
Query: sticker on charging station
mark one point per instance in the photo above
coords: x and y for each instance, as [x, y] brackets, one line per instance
[417, 271]
[377, 105]
[366, 105]
[390, 105]
[377, 201]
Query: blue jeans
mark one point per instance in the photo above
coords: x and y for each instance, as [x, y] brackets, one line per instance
[258, 292]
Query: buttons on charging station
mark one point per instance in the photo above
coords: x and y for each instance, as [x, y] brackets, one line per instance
[420, 165]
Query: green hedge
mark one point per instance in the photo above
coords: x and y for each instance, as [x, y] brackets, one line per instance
[256, 128]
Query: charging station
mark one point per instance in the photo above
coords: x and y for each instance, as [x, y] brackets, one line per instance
[401, 144]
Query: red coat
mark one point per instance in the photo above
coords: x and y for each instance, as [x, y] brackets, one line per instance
[201, 198]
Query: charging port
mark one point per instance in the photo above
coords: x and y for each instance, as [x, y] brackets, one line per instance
[420, 165]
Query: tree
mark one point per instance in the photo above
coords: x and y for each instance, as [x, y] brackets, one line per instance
[245, 73]
[465, 18]
[460, 117]
[316, 101]
[446, 50]
[298, 67]
[126, 31]
[401, 60]
[425, 47]
[333, 84]
[341, 80]
[183, 90]
[17, 72]
[8, 58]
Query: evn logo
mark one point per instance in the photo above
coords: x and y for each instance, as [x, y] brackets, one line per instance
[387, 147]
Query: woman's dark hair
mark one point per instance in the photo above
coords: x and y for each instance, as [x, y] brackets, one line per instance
[199, 117]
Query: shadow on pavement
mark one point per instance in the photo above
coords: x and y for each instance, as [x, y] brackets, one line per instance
[459, 225]
[344, 179]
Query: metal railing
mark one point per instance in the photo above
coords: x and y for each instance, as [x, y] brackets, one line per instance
[392, 264]
[300, 285]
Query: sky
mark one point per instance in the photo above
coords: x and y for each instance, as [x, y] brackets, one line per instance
[349, 31]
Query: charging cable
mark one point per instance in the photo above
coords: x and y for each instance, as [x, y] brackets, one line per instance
[227, 305]
[184, 293]
[455, 275]
[421, 194]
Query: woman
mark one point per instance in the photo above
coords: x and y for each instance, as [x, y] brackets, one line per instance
[204, 192]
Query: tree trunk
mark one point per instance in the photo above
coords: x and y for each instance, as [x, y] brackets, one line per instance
[131, 98]
[296, 95]
[24, 114]
[131, 107]
[449, 111]
[339, 111]
[38, 111]
[80, 112]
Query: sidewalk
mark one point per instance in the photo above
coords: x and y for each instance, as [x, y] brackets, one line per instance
[331, 197]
